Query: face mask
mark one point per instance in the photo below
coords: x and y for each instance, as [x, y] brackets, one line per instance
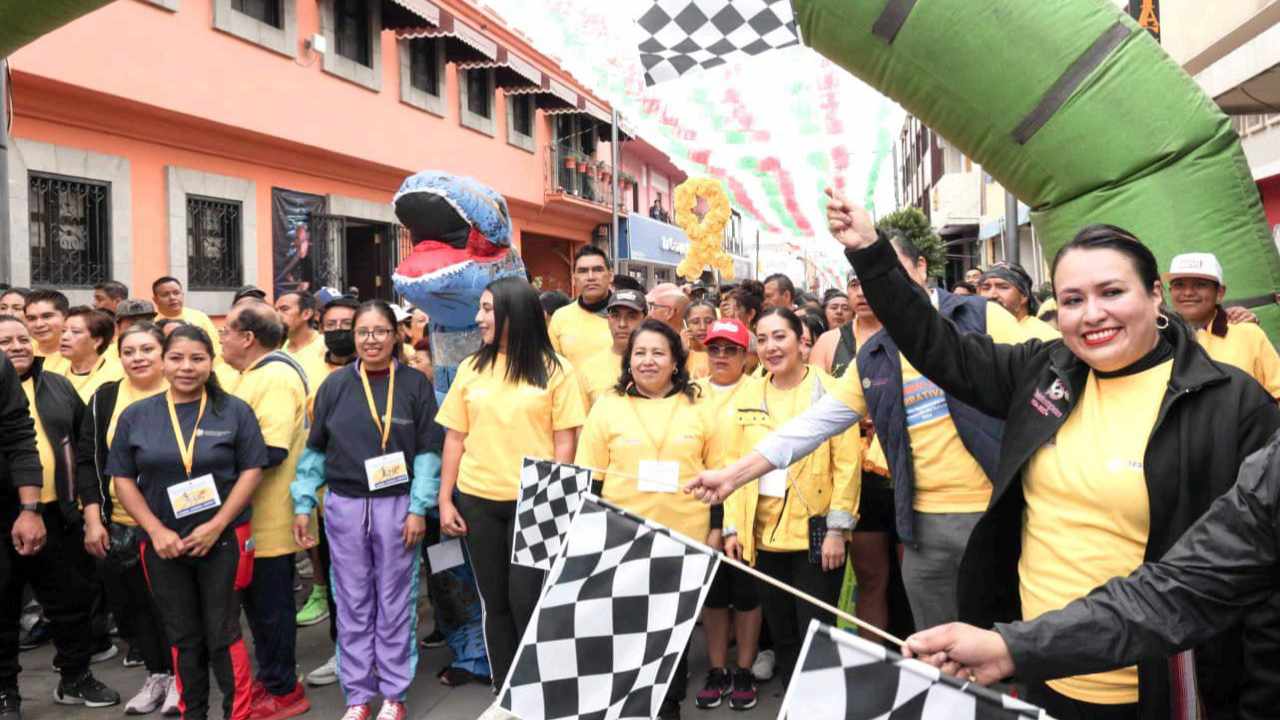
[340, 343]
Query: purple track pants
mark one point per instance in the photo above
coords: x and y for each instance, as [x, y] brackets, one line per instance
[375, 588]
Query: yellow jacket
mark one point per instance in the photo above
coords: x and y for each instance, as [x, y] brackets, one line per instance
[827, 482]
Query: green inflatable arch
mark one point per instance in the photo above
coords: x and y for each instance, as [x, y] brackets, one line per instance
[1077, 111]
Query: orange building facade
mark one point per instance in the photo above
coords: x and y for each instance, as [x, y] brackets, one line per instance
[194, 137]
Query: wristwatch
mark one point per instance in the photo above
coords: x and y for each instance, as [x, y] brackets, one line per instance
[29, 507]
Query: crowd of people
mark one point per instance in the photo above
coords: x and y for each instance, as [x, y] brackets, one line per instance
[962, 456]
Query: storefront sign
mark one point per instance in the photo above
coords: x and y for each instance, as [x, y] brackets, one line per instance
[653, 241]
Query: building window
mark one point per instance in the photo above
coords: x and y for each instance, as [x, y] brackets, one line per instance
[424, 72]
[351, 31]
[213, 244]
[520, 117]
[475, 97]
[264, 11]
[70, 228]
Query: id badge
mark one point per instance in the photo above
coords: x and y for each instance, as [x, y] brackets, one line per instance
[774, 483]
[194, 496]
[661, 476]
[386, 471]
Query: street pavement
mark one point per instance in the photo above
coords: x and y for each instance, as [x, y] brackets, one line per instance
[427, 697]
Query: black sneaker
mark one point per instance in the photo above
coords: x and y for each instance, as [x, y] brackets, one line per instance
[38, 635]
[744, 695]
[712, 693]
[134, 657]
[434, 640]
[10, 704]
[669, 710]
[87, 691]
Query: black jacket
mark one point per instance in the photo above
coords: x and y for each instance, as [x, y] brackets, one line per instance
[60, 410]
[92, 482]
[1211, 418]
[19, 461]
[1225, 565]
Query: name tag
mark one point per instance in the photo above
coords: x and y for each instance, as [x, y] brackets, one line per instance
[662, 476]
[386, 471]
[774, 483]
[194, 496]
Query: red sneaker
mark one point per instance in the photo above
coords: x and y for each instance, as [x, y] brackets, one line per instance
[392, 710]
[358, 712]
[279, 707]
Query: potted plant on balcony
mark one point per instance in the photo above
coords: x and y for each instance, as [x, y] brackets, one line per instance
[626, 180]
[602, 171]
[584, 163]
[570, 160]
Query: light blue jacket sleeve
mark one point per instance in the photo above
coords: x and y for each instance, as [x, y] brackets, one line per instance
[306, 481]
[426, 483]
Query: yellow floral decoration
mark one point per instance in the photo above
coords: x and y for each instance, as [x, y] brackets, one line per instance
[706, 236]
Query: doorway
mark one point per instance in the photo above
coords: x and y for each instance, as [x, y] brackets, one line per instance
[369, 259]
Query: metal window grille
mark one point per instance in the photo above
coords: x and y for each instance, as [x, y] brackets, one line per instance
[351, 35]
[70, 229]
[264, 11]
[213, 244]
[424, 73]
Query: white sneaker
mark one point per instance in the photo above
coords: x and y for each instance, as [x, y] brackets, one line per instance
[150, 696]
[326, 674]
[105, 654]
[392, 710]
[171, 699]
[762, 668]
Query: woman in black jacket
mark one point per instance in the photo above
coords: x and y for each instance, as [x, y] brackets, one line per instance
[1117, 439]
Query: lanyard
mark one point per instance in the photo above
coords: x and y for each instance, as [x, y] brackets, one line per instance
[659, 446]
[187, 450]
[384, 423]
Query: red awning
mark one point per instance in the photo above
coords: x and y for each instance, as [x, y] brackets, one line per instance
[463, 43]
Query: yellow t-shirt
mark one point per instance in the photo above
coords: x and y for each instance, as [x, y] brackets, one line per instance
[274, 391]
[53, 362]
[1037, 328]
[86, 385]
[194, 317]
[948, 478]
[127, 396]
[699, 364]
[598, 374]
[505, 423]
[311, 358]
[720, 406]
[48, 491]
[622, 431]
[1247, 347]
[1047, 306]
[1088, 516]
[578, 334]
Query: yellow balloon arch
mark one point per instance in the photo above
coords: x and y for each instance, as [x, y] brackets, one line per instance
[706, 235]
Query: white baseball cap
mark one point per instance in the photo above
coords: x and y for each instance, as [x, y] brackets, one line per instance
[1195, 265]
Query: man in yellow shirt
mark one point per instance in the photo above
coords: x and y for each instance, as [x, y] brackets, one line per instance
[274, 385]
[108, 295]
[600, 371]
[46, 313]
[1010, 285]
[299, 310]
[1197, 290]
[579, 330]
[169, 299]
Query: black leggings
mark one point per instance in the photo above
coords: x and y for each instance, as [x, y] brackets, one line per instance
[787, 615]
[508, 593]
[131, 602]
[199, 602]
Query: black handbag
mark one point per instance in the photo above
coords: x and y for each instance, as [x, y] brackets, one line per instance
[126, 540]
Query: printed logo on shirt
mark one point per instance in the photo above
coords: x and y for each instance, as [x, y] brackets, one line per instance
[1046, 402]
[1117, 465]
[401, 421]
[201, 432]
[924, 402]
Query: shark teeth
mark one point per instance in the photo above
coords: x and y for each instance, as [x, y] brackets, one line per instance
[444, 272]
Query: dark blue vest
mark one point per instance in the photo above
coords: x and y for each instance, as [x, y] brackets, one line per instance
[880, 369]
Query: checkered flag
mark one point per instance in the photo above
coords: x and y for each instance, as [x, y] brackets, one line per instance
[614, 617]
[840, 676]
[549, 496]
[680, 35]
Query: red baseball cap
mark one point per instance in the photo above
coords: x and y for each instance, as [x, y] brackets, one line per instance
[731, 330]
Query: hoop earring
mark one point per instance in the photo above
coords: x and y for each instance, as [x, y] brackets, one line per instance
[1165, 318]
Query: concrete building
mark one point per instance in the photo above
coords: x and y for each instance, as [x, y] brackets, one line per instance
[231, 142]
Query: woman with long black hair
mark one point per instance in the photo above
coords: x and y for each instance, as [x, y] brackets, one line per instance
[375, 444]
[514, 398]
[110, 533]
[185, 464]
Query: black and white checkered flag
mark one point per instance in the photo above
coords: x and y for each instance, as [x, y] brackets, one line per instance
[549, 496]
[842, 677]
[680, 35]
[614, 617]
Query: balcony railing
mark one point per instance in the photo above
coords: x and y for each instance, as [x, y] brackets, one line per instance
[570, 173]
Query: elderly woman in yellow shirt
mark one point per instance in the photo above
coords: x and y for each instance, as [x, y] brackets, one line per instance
[792, 523]
[650, 436]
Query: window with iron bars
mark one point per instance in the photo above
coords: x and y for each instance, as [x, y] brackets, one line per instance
[213, 244]
[70, 229]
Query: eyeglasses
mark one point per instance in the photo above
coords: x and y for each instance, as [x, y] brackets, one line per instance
[338, 325]
[724, 350]
[378, 334]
